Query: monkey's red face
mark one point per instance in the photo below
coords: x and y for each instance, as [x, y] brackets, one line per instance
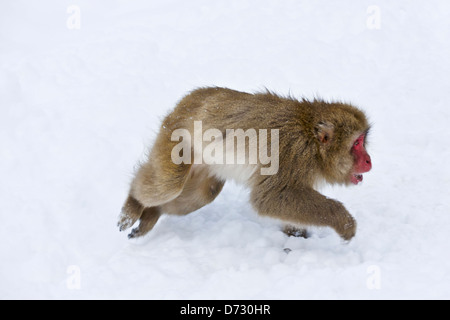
[362, 162]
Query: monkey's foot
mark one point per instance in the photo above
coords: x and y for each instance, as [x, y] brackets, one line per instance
[131, 212]
[135, 233]
[125, 221]
[147, 221]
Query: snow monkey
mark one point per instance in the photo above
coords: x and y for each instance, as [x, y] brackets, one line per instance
[310, 142]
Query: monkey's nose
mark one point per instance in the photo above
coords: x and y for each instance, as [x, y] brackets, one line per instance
[368, 162]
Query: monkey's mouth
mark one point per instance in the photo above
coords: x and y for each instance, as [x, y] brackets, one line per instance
[356, 178]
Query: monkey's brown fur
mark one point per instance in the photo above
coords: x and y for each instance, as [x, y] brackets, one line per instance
[315, 139]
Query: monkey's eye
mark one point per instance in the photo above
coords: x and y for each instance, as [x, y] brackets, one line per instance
[358, 141]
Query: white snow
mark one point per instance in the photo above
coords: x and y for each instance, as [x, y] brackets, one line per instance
[80, 107]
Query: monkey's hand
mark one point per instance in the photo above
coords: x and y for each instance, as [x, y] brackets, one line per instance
[344, 223]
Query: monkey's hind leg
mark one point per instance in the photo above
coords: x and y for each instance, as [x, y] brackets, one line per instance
[199, 190]
[157, 181]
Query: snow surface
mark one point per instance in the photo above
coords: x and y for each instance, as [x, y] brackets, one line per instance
[80, 107]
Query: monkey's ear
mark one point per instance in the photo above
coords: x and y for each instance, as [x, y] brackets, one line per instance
[324, 132]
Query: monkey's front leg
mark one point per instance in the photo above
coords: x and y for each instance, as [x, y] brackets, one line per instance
[303, 206]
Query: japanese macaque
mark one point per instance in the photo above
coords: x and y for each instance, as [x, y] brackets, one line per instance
[310, 142]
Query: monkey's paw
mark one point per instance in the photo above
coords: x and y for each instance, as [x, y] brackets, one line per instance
[136, 233]
[125, 221]
[293, 231]
[348, 229]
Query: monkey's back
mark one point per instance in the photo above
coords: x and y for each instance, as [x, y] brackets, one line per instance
[223, 108]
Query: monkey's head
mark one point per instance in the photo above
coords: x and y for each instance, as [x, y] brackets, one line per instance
[341, 134]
